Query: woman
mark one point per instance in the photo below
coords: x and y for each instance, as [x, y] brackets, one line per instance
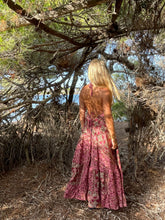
[96, 171]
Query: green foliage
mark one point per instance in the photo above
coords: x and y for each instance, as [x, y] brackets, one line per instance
[48, 59]
[119, 111]
[24, 47]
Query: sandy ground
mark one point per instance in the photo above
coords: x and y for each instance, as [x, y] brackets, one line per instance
[35, 192]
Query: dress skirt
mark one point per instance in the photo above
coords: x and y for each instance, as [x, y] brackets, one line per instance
[96, 174]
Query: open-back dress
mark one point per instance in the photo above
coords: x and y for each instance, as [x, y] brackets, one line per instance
[96, 170]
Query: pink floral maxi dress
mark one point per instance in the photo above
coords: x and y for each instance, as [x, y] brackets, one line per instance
[96, 170]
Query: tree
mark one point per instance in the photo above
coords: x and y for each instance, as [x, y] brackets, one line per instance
[46, 47]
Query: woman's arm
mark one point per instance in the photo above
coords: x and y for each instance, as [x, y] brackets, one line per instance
[82, 109]
[107, 100]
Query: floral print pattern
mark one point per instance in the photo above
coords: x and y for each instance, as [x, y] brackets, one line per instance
[96, 170]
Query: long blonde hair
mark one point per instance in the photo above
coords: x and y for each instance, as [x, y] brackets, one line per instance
[99, 75]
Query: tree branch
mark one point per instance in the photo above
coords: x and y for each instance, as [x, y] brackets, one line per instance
[117, 10]
[55, 13]
[120, 59]
[72, 6]
[19, 10]
[76, 73]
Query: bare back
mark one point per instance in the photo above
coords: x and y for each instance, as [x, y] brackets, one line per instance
[93, 99]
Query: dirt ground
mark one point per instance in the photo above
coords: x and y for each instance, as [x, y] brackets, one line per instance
[35, 192]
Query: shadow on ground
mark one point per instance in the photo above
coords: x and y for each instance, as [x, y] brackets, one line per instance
[35, 192]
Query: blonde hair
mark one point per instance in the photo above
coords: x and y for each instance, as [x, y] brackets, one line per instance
[99, 75]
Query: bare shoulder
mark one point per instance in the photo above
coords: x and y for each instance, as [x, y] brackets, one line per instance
[106, 94]
[105, 91]
[84, 89]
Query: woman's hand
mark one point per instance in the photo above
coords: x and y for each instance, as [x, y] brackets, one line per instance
[114, 144]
